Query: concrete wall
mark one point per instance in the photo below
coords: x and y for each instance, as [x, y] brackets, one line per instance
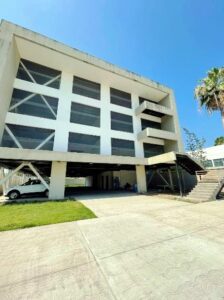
[9, 60]
[44, 51]
[17, 42]
[126, 177]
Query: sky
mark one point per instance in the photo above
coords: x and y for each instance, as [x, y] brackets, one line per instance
[174, 42]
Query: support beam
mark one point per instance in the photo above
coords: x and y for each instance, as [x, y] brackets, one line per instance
[161, 176]
[171, 179]
[57, 183]
[141, 179]
[10, 174]
[38, 175]
[179, 181]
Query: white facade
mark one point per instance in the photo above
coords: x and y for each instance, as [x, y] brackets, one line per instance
[19, 45]
[214, 156]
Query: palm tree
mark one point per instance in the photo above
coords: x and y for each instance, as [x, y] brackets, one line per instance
[219, 141]
[210, 92]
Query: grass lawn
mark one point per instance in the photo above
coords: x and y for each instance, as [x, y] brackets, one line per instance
[23, 215]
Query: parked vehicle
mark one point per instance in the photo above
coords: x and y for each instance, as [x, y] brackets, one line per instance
[31, 187]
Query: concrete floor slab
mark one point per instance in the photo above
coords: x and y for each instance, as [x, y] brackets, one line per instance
[125, 232]
[181, 268]
[29, 253]
[185, 218]
[83, 282]
[141, 247]
[109, 206]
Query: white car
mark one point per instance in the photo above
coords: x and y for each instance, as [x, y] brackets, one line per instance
[30, 187]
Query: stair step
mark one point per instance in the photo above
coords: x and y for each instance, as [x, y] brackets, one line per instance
[194, 200]
[206, 186]
[204, 190]
[205, 182]
[201, 196]
[202, 193]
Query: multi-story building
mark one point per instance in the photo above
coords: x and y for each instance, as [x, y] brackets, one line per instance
[66, 113]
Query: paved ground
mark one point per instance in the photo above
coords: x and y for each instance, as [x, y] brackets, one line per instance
[140, 247]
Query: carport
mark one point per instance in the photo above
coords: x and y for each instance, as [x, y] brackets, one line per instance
[59, 165]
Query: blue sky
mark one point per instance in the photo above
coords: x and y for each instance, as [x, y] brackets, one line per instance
[174, 42]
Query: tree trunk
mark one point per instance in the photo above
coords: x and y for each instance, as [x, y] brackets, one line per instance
[222, 114]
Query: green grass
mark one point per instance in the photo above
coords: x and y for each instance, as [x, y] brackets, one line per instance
[23, 215]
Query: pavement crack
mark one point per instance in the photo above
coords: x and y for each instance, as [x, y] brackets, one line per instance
[98, 263]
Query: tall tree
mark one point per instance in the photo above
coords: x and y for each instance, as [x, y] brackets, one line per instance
[210, 92]
[195, 146]
[219, 141]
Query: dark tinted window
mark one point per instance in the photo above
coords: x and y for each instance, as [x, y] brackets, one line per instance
[27, 137]
[218, 162]
[86, 88]
[208, 164]
[86, 115]
[150, 124]
[33, 72]
[152, 150]
[122, 147]
[84, 143]
[120, 98]
[121, 122]
[27, 103]
[153, 113]
[144, 99]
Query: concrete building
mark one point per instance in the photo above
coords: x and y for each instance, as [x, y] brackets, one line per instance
[64, 113]
[215, 157]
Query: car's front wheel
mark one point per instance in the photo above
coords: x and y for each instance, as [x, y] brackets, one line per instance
[14, 195]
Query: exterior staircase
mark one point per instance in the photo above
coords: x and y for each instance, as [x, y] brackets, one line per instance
[209, 185]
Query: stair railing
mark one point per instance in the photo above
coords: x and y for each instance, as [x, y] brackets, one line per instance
[200, 175]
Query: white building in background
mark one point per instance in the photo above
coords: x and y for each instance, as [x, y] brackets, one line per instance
[215, 157]
[65, 113]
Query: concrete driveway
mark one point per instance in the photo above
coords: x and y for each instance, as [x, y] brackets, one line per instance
[140, 247]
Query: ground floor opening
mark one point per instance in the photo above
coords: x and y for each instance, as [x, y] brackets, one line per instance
[168, 172]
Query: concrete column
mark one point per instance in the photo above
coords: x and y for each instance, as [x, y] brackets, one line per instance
[57, 183]
[139, 151]
[63, 114]
[89, 181]
[105, 140]
[9, 61]
[141, 179]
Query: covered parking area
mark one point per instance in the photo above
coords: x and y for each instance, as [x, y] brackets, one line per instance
[101, 171]
[52, 169]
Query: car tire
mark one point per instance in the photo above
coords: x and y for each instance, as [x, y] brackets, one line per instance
[46, 193]
[13, 195]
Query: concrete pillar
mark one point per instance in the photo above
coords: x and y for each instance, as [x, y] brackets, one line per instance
[57, 182]
[89, 181]
[141, 179]
[137, 126]
[105, 143]
[9, 61]
[63, 114]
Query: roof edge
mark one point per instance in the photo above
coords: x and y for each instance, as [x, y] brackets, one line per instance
[89, 58]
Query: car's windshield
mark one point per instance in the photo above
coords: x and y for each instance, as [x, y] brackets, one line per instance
[31, 182]
[27, 183]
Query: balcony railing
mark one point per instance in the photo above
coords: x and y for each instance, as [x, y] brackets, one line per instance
[148, 106]
[156, 133]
